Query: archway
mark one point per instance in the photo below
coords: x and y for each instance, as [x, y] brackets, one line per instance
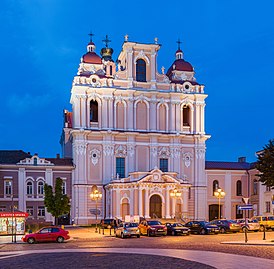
[155, 206]
[125, 208]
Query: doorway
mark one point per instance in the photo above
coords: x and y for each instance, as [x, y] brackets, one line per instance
[155, 206]
[214, 212]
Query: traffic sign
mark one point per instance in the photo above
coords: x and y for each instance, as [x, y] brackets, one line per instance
[245, 207]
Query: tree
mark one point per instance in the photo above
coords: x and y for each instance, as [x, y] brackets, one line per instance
[56, 202]
[265, 164]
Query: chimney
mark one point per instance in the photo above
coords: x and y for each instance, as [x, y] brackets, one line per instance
[241, 159]
[57, 156]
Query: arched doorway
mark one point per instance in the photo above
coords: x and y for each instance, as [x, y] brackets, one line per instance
[155, 206]
[125, 208]
[214, 212]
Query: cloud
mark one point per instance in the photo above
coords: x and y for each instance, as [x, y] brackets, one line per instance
[27, 102]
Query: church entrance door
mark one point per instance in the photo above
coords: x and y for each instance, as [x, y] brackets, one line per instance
[213, 212]
[155, 206]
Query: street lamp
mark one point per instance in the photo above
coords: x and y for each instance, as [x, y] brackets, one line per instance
[96, 196]
[175, 194]
[219, 193]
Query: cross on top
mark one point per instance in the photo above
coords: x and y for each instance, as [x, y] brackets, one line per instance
[91, 35]
[179, 43]
[106, 41]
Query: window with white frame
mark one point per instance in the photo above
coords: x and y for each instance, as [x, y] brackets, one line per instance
[64, 187]
[40, 188]
[41, 211]
[30, 211]
[29, 188]
[8, 187]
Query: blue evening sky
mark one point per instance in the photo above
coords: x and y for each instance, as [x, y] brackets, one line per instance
[229, 43]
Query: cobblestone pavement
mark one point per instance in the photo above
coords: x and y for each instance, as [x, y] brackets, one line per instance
[98, 261]
[84, 238]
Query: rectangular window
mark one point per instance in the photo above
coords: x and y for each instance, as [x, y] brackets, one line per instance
[268, 188]
[41, 211]
[120, 167]
[267, 207]
[64, 189]
[2, 208]
[164, 165]
[8, 187]
[30, 211]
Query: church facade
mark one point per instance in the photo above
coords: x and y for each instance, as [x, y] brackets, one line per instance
[136, 135]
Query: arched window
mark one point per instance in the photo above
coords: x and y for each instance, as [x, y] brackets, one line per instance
[40, 189]
[29, 188]
[215, 186]
[141, 70]
[255, 186]
[239, 188]
[93, 116]
[186, 115]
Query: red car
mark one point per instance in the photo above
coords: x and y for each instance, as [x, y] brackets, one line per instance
[55, 234]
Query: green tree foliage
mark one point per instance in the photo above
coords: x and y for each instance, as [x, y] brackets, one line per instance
[265, 164]
[56, 202]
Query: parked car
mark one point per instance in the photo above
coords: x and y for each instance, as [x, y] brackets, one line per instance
[110, 223]
[202, 227]
[152, 228]
[177, 228]
[128, 229]
[227, 225]
[249, 225]
[266, 222]
[52, 233]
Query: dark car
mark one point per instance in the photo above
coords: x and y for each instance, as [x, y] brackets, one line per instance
[152, 228]
[55, 234]
[177, 228]
[227, 225]
[202, 227]
[110, 223]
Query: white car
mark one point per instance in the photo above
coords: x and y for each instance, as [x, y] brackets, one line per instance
[128, 229]
[249, 225]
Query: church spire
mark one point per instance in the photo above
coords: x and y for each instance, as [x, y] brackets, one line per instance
[91, 46]
[106, 52]
[179, 52]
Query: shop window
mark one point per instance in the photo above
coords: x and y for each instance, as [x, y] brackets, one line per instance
[41, 211]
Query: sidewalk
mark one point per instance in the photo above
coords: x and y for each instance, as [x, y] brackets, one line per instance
[6, 239]
[251, 242]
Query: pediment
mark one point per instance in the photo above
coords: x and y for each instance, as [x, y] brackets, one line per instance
[35, 160]
[157, 176]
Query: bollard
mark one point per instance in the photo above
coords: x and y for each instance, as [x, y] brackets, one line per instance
[245, 235]
[264, 233]
[103, 231]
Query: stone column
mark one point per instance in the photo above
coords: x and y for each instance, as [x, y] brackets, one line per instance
[152, 115]
[185, 203]
[130, 114]
[173, 204]
[172, 118]
[118, 205]
[178, 117]
[167, 204]
[83, 101]
[104, 113]
[131, 205]
[146, 204]
[140, 202]
[110, 112]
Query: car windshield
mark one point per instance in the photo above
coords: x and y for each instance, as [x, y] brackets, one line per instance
[131, 224]
[178, 225]
[232, 221]
[253, 221]
[154, 222]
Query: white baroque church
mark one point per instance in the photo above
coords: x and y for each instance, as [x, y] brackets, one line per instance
[136, 135]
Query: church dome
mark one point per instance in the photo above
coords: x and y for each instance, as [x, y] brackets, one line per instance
[92, 58]
[182, 65]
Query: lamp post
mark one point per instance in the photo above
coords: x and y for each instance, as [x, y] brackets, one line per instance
[96, 196]
[219, 193]
[175, 193]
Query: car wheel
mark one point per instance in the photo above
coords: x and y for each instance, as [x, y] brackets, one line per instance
[222, 230]
[138, 236]
[60, 239]
[244, 229]
[148, 233]
[261, 228]
[173, 233]
[203, 232]
[122, 236]
[31, 240]
[256, 231]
